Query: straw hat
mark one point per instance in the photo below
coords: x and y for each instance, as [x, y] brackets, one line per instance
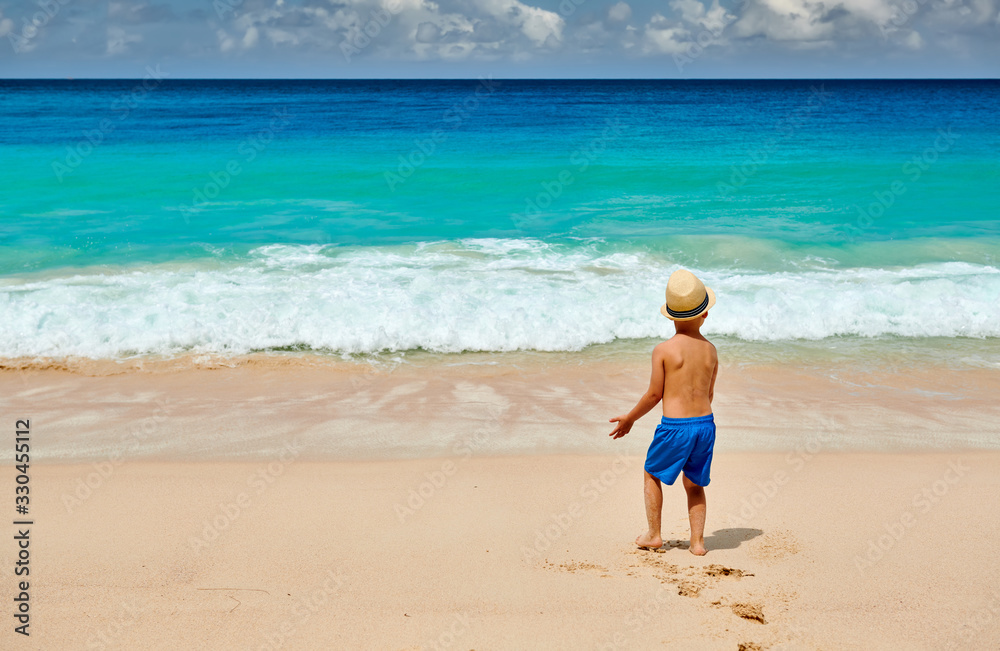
[687, 297]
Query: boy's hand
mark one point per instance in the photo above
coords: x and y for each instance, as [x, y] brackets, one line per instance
[623, 427]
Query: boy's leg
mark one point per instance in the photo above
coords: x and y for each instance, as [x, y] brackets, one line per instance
[654, 505]
[696, 514]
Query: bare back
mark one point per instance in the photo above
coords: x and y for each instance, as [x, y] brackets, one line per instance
[690, 364]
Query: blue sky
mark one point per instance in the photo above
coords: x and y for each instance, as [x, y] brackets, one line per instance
[501, 38]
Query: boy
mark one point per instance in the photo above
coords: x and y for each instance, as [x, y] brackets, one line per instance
[684, 370]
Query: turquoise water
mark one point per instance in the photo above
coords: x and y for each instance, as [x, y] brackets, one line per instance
[358, 217]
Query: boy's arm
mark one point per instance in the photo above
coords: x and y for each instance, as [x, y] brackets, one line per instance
[652, 396]
[711, 389]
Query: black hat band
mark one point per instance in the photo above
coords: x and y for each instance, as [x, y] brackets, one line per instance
[685, 314]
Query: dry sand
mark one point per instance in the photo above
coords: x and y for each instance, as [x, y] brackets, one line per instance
[517, 553]
[231, 509]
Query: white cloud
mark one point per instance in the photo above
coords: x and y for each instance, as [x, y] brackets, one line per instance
[250, 38]
[521, 31]
[537, 24]
[696, 27]
[690, 10]
[716, 18]
[226, 42]
[6, 25]
[427, 33]
[876, 11]
[119, 40]
[620, 12]
[665, 37]
[784, 20]
[913, 40]
[281, 37]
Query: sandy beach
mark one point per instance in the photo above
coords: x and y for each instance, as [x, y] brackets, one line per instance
[520, 552]
[289, 503]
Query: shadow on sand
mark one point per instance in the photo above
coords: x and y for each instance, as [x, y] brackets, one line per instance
[720, 539]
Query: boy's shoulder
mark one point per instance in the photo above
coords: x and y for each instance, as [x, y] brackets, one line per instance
[678, 338]
[669, 349]
[676, 344]
[664, 346]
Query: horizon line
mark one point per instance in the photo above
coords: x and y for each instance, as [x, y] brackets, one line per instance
[508, 78]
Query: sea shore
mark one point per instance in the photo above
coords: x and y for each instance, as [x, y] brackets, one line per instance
[292, 502]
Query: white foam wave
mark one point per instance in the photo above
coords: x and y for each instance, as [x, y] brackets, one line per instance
[487, 295]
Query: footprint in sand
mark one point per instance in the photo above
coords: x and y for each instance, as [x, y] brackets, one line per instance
[722, 571]
[690, 581]
[575, 566]
[749, 611]
[752, 612]
[689, 589]
[774, 546]
[676, 543]
[692, 587]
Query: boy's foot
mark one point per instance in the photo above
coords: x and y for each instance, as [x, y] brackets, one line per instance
[698, 549]
[645, 541]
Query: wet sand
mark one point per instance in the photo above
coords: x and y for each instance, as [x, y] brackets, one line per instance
[249, 408]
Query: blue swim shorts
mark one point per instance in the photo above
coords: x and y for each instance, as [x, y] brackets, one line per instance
[682, 444]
